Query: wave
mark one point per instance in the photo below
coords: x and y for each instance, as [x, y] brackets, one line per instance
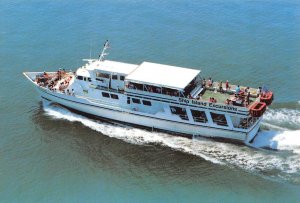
[285, 140]
[284, 118]
[285, 161]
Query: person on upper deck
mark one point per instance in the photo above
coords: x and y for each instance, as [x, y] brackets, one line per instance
[248, 97]
[227, 85]
[258, 91]
[209, 82]
[221, 87]
[203, 83]
[237, 89]
[247, 90]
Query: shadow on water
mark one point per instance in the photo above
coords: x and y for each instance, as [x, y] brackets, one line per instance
[102, 151]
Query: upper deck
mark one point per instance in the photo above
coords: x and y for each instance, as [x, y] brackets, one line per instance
[167, 83]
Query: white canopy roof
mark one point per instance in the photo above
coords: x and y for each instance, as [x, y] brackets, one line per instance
[163, 75]
[113, 66]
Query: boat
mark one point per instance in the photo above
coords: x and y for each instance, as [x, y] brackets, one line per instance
[156, 96]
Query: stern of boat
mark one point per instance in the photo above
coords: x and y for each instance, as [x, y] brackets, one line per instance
[253, 132]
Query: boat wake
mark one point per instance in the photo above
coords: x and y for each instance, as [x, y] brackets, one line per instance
[282, 161]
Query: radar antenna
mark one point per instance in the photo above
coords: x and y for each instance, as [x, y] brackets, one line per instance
[104, 53]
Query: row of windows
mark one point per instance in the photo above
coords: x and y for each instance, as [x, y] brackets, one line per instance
[84, 78]
[107, 95]
[199, 116]
[138, 101]
[113, 77]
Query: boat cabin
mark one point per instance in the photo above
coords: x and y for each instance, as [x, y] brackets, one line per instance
[105, 74]
[152, 78]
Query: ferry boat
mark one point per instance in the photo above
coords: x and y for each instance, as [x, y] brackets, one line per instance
[157, 96]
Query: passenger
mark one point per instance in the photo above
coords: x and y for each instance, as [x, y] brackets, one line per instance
[248, 98]
[203, 83]
[258, 91]
[150, 89]
[237, 90]
[227, 101]
[221, 87]
[158, 90]
[214, 100]
[247, 90]
[227, 85]
[209, 82]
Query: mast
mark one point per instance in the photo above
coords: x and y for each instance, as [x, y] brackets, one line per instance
[104, 53]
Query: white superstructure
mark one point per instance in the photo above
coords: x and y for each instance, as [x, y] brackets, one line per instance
[156, 96]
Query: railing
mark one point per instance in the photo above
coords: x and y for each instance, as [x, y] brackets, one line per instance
[200, 119]
[247, 122]
[220, 122]
[183, 117]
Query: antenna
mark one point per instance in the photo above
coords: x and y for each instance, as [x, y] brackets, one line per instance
[104, 53]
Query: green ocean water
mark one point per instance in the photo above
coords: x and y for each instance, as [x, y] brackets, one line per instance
[49, 154]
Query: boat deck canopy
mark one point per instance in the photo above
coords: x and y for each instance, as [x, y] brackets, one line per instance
[162, 75]
[113, 67]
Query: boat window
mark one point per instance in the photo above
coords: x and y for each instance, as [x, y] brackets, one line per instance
[105, 94]
[87, 79]
[114, 77]
[199, 116]
[101, 80]
[128, 100]
[219, 119]
[169, 91]
[102, 75]
[181, 112]
[114, 96]
[147, 103]
[156, 89]
[135, 86]
[122, 77]
[79, 77]
[137, 101]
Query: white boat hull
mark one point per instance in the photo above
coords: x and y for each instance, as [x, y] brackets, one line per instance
[136, 118]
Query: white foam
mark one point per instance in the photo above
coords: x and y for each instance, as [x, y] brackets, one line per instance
[283, 117]
[216, 152]
[128, 134]
[285, 140]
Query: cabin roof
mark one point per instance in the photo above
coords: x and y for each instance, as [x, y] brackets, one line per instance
[113, 67]
[163, 75]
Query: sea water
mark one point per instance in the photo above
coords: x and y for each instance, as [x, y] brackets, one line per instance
[49, 154]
